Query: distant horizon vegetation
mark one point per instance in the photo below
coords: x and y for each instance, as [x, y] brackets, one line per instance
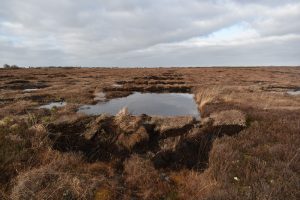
[14, 66]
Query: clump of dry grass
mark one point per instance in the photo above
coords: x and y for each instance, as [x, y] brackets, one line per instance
[193, 185]
[129, 141]
[141, 175]
[23, 145]
[14, 147]
[205, 96]
[67, 175]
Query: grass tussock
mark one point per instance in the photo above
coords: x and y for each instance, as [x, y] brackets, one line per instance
[66, 174]
[19, 146]
[192, 185]
[205, 96]
[141, 175]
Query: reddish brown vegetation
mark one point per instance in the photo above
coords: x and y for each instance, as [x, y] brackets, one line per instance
[246, 145]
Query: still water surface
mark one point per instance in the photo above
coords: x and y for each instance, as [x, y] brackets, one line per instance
[163, 104]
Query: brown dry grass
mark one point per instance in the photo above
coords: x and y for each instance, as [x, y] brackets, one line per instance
[141, 175]
[65, 177]
[205, 96]
[261, 162]
[193, 185]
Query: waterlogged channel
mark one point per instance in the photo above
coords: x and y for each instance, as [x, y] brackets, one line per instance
[163, 104]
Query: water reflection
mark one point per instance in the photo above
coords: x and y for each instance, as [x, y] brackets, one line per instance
[164, 104]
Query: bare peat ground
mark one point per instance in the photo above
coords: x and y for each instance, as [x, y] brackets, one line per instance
[246, 145]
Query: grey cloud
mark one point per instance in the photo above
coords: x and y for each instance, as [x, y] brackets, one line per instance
[118, 32]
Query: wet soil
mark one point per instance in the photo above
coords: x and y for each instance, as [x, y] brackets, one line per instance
[23, 84]
[172, 143]
[165, 83]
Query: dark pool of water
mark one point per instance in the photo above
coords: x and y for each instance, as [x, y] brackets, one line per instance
[163, 104]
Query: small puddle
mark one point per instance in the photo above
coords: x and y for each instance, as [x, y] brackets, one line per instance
[163, 104]
[117, 85]
[294, 92]
[54, 104]
[30, 90]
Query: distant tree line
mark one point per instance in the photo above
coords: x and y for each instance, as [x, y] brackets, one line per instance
[6, 66]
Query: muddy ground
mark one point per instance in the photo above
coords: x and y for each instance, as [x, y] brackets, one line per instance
[245, 146]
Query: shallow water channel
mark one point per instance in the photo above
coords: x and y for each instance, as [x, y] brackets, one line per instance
[163, 104]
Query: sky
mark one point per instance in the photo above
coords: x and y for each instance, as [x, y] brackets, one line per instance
[149, 33]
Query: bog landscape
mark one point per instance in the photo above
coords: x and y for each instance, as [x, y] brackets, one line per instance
[150, 133]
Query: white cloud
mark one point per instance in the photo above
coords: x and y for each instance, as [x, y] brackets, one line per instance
[149, 32]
